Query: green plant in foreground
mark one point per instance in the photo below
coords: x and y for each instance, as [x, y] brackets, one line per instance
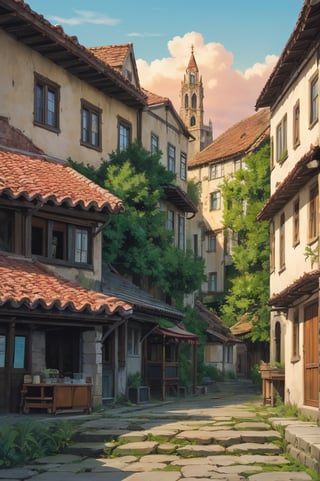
[25, 441]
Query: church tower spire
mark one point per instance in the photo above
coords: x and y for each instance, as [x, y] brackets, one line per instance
[191, 109]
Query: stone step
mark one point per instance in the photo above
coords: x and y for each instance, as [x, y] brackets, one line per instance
[89, 449]
[98, 435]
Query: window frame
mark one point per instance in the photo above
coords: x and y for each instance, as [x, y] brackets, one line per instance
[125, 126]
[183, 166]
[133, 341]
[216, 170]
[313, 215]
[154, 143]
[272, 246]
[296, 124]
[170, 220]
[296, 222]
[215, 200]
[314, 101]
[47, 85]
[181, 232]
[92, 110]
[282, 140]
[295, 357]
[282, 243]
[212, 242]
[212, 281]
[171, 162]
[66, 240]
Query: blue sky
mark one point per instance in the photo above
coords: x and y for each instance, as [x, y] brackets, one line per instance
[236, 42]
[251, 29]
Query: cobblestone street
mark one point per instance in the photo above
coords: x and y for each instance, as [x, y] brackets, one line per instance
[221, 436]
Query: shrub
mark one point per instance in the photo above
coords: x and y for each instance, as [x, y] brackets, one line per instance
[28, 440]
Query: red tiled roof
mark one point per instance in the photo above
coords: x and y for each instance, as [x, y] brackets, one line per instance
[21, 22]
[113, 55]
[34, 177]
[29, 284]
[239, 139]
[154, 99]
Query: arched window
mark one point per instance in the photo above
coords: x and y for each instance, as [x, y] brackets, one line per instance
[194, 101]
[278, 342]
[186, 101]
[192, 121]
[192, 78]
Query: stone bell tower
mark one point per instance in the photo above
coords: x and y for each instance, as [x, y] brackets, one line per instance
[191, 109]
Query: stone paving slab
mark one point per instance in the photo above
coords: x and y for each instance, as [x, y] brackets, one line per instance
[139, 448]
[284, 476]
[254, 448]
[16, 473]
[133, 436]
[252, 425]
[156, 476]
[200, 450]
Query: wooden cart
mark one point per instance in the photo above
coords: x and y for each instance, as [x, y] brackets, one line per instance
[56, 397]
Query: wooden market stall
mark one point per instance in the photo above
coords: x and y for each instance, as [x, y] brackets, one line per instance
[162, 360]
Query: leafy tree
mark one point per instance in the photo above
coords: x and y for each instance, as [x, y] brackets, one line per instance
[137, 241]
[244, 195]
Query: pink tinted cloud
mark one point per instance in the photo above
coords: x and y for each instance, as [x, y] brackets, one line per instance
[229, 95]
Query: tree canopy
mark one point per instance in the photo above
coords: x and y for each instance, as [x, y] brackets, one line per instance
[137, 241]
[244, 195]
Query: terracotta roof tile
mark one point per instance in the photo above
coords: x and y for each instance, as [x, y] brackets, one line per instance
[30, 176]
[113, 55]
[29, 284]
[154, 99]
[238, 139]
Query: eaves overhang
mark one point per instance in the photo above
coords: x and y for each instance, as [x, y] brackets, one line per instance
[303, 40]
[299, 176]
[179, 198]
[304, 287]
[34, 31]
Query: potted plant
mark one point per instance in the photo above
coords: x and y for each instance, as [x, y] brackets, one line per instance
[136, 392]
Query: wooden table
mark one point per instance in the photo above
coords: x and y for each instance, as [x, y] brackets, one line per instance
[272, 383]
[56, 397]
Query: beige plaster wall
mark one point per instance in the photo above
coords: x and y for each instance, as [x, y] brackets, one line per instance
[18, 64]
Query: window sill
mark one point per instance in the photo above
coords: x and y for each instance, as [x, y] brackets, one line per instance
[97, 148]
[55, 130]
[59, 262]
[312, 124]
[295, 359]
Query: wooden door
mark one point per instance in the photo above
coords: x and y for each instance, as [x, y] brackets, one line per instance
[311, 356]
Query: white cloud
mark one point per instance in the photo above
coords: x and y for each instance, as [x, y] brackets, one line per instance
[86, 16]
[144, 35]
[229, 94]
